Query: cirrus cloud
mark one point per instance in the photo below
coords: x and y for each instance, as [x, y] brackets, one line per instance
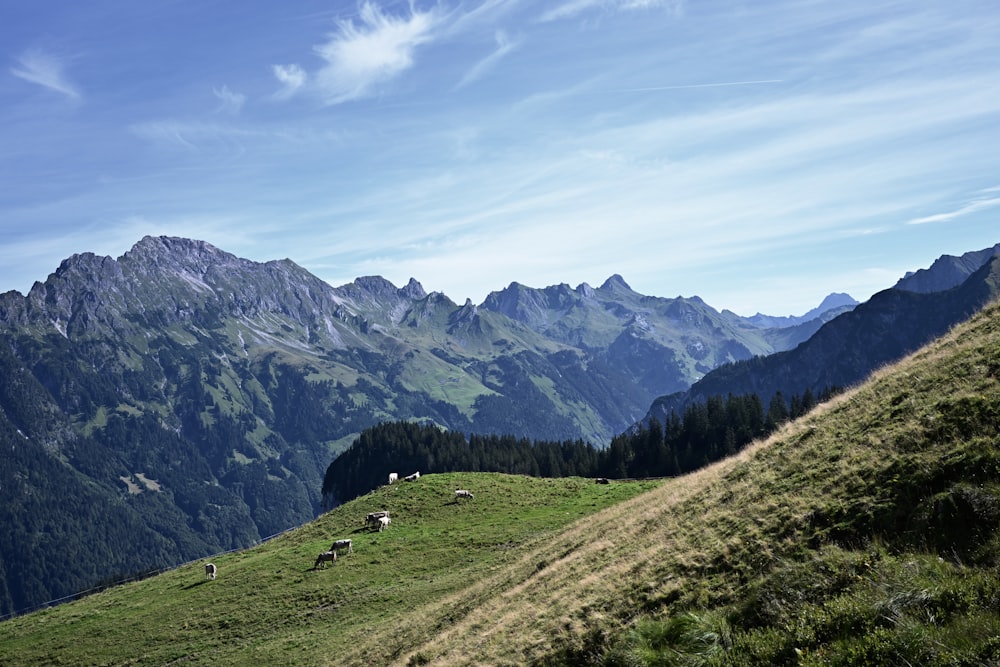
[229, 102]
[361, 57]
[504, 47]
[969, 208]
[45, 70]
[573, 7]
[292, 78]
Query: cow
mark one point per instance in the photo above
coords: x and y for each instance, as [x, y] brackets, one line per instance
[602, 480]
[411, 478]
[463, 493]
[342, 544]
[324, 558]
[393, 476]
[373, 517]
[210, 570]
[383, 523]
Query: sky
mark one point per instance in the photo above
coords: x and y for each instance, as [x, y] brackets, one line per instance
[759, 155]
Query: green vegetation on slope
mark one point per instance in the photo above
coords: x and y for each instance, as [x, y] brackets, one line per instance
[268, 604]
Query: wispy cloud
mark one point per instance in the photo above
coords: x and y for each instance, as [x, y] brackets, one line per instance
[292, 78]
[361, 57]
[701, 85]
[575, 7]
[487, 12]
[199, 137]
[229, 102]
[971, 207]
[46, 70]
[504, 47]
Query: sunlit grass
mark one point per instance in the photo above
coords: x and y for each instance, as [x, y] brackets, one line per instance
[268, 601]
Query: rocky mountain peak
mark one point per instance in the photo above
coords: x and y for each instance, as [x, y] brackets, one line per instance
[187, 255]
[947, 271]
[375, 285]
[615, 284]
[414, 290]
[531, 306]
[833, 300]
[376, 292]
[506, 300]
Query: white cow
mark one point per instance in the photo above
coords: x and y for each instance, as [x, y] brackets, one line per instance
[415, 476]
[373, 517]
[342, 544]
[463, 493]
[393, 476]
[210, 570]
[383, 523]
[324, 558]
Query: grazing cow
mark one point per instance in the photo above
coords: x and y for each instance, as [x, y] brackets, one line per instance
[393, 476]
[415, 476]
[383, 523]
[463, 493]
[373, 517]
[342, 544]
[324, 558]
[210, 570]
[602, 480]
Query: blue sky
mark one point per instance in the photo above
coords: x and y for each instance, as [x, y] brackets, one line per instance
[757, 154]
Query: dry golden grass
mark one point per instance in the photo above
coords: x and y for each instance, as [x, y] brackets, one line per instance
[745, 512]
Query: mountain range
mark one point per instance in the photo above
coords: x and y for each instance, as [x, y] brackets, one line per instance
[179, 401]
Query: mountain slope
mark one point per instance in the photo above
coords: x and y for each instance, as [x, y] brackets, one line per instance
[947, 271]
[865, 532]
[844, 350]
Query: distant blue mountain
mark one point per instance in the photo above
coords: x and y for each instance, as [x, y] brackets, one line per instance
[846, 349]
[947, 271]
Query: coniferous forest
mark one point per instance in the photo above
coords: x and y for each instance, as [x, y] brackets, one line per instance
[704, 433]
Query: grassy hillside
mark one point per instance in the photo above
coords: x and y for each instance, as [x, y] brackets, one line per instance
[268, 604]
[864, 533]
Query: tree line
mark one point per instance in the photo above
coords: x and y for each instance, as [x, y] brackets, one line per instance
[705, 432]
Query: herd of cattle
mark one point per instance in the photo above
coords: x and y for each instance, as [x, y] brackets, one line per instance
[379, 520]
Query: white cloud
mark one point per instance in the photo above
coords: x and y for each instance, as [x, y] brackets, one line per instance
[971, 207]
[575, 7]
[229, 102]
[504, 47]
[361, 57]
[292, 78]
[46, 70]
